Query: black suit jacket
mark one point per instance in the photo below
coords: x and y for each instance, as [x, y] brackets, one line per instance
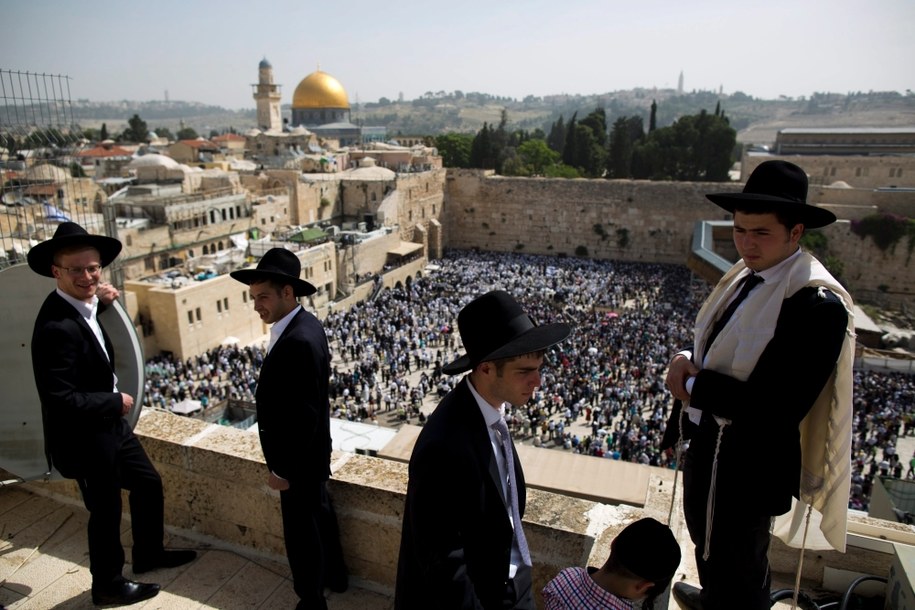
[293, 408]
[759, 461]
[457, 538]
[81, 412]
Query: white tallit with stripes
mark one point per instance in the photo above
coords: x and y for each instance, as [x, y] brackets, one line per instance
[825, 476]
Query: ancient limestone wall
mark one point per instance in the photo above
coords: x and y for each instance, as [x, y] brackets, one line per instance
[633, 220]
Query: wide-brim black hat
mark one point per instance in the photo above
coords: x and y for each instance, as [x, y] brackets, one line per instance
[777, 184]
[69, 234]
[494, 326]
[648, 549]
[277, 264]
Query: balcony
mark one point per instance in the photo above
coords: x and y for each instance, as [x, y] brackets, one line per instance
[217, 502]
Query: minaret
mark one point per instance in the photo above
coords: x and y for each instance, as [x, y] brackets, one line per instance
[267, 96]
[680, 84]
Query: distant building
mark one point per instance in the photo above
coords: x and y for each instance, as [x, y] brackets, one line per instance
[105, 160]
[193, 151]
[231, 144]
[845, 141]
[320, 104]
[267, 96]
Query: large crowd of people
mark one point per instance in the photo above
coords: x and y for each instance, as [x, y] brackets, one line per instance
[603, 390]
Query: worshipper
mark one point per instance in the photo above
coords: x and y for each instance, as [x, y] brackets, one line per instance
[767, 364]
[87, 436]
[643, 559]
[462, 543]
[611, 369]
[293, 418]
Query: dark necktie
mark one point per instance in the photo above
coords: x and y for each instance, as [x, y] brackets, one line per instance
[508, 453]
[749, 282]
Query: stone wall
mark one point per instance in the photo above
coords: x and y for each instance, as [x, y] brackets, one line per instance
[860, 171]
[633, 220]
[216, 493]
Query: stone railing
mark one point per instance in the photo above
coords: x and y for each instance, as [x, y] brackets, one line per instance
[216, 493]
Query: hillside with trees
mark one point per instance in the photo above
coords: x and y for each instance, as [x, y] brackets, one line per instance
[755, 121]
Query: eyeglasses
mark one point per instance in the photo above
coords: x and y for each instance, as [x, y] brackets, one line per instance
[78, 271]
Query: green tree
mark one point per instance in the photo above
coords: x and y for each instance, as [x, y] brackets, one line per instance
[695, 147]
[136, 130]
[597, 123]
[570, 146]
[626, 132]
[561, 170]
[501, 142]
[103, 132]
[164, 132]
[585, 147]
[481, 149]
[557, 138]
[536, 155]
[187, 133]
[90, 133]
[454, 149]
[653, 119]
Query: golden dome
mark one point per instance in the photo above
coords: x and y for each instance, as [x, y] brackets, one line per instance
[320, 90]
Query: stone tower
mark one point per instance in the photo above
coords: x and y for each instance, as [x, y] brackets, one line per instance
[267, 95]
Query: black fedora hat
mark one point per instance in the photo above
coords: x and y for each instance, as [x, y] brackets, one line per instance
[280, 265]
[69, 234]
[494, 326]
[777, 184]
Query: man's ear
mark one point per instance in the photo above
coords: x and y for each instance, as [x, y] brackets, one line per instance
[642, 587]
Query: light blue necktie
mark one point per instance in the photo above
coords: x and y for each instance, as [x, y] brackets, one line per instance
[508, 453]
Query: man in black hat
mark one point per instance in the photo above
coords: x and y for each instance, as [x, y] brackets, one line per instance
[462, 543]
[766, 387]
[293, 420]
[643, 559]
[87, 437]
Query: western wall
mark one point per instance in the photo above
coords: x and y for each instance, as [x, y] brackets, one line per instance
[635, 220]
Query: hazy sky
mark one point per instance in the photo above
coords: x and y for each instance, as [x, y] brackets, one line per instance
[208, 51]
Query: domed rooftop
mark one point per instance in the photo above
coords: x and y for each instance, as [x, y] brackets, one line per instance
[264, 64]
[840, 184]
[153, 160]
[368, 171]
[320, 90]
[47, 173]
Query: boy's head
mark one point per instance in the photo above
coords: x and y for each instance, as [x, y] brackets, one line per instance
[647, 554]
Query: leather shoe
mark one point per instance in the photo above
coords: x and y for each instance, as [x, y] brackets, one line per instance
[687, 596]
[123, 592]
[165, 559]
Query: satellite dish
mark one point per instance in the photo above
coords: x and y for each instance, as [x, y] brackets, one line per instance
[21, 433]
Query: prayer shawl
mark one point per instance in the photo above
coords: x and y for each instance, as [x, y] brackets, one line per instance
[825, 476]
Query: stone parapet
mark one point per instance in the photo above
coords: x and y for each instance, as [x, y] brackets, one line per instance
[216, 493]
